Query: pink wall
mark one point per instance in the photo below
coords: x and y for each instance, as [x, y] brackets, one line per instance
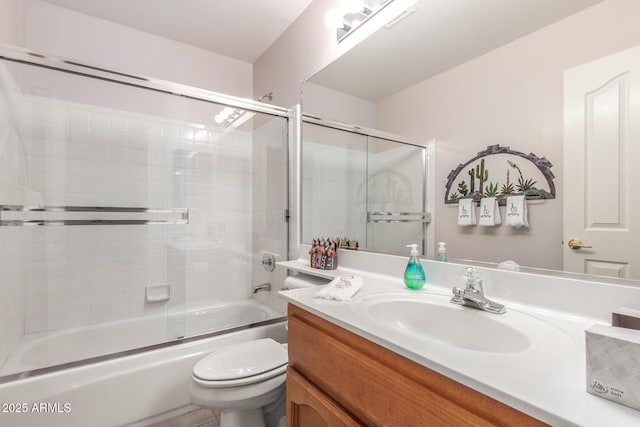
[10, 22]
[57, 31]
[330, 104]
[511, 96]
[302, 50]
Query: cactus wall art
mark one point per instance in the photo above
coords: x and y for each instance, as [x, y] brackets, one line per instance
[501, 172]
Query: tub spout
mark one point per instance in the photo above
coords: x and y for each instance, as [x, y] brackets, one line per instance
[262, 287]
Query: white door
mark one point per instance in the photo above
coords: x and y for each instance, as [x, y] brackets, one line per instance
[602, 165]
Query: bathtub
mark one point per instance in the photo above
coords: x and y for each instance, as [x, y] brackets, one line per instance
[45, 349]
[135, 388]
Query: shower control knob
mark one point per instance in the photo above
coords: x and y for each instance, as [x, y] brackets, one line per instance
[269, 262]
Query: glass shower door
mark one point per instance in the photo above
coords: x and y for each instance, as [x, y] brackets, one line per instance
[127, 213]
[363, 187]
[334, 184]
[234, 182]
[396, 204]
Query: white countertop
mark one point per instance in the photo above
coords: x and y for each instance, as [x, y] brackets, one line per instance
[546, 383]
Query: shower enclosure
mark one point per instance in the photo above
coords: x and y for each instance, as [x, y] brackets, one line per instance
[132, 213]
[366, 185]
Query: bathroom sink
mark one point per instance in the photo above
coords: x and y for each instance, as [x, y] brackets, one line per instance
[431, 318]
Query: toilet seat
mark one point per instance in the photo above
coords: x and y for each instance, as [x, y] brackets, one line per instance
[240, 364]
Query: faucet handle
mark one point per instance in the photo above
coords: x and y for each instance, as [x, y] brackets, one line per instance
[458, 295]
[468, 272]
[472, 278]
[457, 292]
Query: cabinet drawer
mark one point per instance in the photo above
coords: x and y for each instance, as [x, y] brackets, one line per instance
[380, 387]
[307, 406]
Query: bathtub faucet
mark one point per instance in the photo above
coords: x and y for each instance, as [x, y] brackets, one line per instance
[262, 287]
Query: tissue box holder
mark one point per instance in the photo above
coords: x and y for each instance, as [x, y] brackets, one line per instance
[324, 262]
[613, 364]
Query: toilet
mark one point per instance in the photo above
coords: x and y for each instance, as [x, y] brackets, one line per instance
[245, 382]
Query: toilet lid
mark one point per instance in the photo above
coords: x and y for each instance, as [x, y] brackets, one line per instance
[241, 360]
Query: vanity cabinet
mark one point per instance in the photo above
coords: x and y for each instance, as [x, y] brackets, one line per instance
[338, 378]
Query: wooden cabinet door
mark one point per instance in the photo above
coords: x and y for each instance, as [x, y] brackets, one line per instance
[307, 406]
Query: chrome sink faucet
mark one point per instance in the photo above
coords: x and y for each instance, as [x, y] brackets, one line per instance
[473, 294]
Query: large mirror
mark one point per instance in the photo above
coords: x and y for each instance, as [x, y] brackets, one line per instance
[476, 73]
[368, 189]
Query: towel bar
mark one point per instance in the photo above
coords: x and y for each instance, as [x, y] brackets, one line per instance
[398, 217]
[18, 215]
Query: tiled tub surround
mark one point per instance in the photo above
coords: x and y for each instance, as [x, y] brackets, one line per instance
[81, 275]
[548, 385]
[12, 262]
[92, 146]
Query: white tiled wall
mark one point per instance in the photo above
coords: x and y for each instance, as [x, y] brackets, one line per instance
[12, 249]
[91, 156]
[12, 261]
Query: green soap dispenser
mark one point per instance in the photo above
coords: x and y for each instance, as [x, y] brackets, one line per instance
[414, 275]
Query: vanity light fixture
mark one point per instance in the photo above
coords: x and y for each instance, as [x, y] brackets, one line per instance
[355, 13]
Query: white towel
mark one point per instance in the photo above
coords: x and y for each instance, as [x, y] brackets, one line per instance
[517, 212]
[342, 288]
[466, 212]
[489, 212]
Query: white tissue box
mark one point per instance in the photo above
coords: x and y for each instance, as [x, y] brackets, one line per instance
[613, 364]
